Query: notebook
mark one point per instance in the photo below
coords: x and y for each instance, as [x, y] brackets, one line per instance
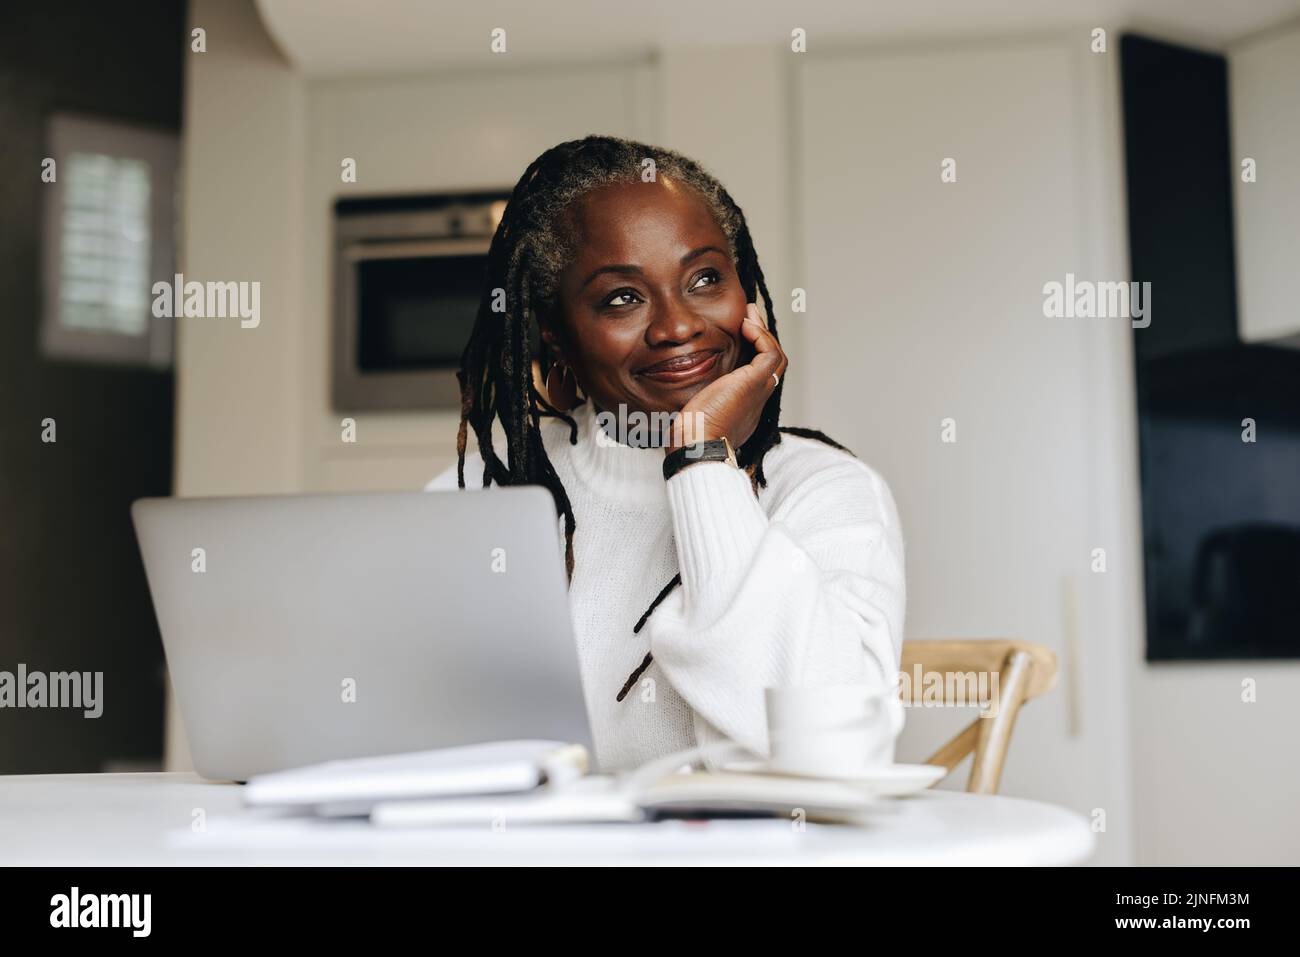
[353, 786]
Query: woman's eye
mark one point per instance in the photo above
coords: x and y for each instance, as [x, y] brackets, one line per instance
[713, 275]
[628, 294]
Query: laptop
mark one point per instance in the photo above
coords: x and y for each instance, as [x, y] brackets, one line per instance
[301, 629]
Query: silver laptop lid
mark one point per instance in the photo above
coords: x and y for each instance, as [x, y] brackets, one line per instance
[301, 629]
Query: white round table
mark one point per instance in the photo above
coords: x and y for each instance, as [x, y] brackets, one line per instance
[150, 819]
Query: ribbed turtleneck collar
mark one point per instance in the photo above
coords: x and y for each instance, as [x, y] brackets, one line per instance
[609, 468]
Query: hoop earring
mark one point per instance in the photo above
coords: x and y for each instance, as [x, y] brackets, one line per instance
[562, 390]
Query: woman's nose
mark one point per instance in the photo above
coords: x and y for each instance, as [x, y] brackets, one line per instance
[673, 322]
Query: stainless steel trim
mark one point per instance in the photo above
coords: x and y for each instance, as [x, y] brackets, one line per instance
[428, 248]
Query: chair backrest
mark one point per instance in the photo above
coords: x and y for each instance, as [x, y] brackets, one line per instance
[1009, 672]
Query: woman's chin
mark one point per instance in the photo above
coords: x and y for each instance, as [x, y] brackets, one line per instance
[672, 399]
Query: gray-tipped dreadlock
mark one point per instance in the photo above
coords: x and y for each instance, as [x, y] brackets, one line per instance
[530, 249]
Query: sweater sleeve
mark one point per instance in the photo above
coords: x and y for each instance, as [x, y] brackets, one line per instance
[809, 592]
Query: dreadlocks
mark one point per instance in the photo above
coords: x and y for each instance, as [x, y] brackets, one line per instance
[531, 247]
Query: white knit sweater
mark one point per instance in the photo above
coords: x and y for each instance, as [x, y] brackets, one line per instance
[801, 585]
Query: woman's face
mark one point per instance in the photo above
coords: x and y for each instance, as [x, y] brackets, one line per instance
[649, 312]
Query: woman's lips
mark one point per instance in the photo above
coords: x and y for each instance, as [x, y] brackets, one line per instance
[683, 368]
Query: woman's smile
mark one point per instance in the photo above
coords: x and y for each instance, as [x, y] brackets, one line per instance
[685, 369]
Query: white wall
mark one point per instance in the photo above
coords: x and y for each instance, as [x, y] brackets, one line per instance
[1217, 779]
[242, 156]
[1264, 92]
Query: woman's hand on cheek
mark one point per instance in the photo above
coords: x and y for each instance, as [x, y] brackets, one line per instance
[730, 406]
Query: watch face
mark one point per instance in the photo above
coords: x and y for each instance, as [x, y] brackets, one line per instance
[715, 450]
[718, 450]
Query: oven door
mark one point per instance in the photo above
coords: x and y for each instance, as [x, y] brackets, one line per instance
[404, 311]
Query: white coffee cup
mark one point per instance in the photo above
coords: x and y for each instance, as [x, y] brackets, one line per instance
[833, 730]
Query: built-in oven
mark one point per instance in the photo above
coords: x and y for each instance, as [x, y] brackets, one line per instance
[409, 273]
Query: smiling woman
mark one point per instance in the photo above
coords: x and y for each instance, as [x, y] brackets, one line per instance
[781, 551]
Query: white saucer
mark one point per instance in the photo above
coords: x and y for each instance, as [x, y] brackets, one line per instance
[893, 780]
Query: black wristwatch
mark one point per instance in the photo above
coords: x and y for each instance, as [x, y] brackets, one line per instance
[710, 450]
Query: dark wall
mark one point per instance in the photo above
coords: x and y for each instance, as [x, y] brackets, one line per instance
[1220, 516]
[72, 590]
[1178, 170]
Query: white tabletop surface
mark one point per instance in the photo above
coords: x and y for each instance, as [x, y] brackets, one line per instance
[148, 819]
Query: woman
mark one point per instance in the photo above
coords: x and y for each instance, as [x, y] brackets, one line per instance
[779, 564]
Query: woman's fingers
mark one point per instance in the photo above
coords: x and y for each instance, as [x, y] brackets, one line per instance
[755, 332]
[769, 358]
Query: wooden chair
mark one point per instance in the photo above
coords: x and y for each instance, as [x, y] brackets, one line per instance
[1024, 671]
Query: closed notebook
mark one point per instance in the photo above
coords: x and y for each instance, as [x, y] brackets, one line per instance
[354, 785]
